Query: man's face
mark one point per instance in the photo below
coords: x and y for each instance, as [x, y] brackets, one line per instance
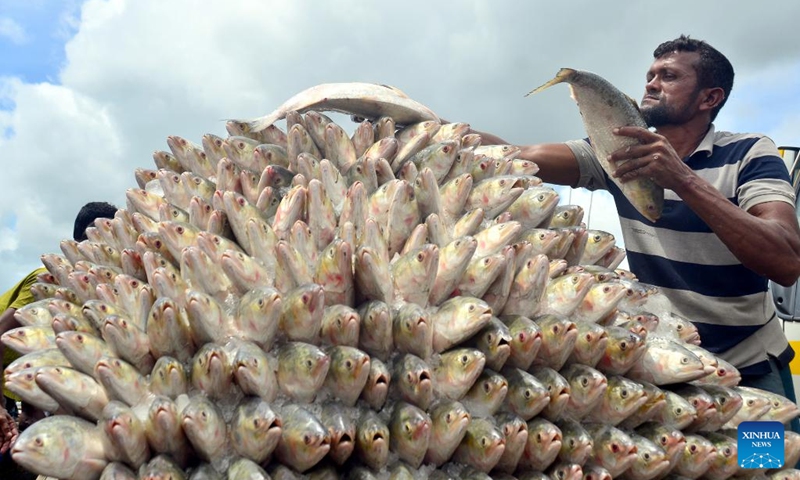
[671, 94]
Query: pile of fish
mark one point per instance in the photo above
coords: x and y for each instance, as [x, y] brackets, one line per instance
[399, 303]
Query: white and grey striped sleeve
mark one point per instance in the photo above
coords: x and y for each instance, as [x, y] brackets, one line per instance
[592, 175]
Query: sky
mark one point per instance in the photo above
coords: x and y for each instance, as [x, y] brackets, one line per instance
[89, 90]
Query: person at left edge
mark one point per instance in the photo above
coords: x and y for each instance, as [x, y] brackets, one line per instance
[17, 297]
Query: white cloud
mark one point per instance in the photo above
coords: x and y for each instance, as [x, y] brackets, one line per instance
[137, 71]
[12, 31]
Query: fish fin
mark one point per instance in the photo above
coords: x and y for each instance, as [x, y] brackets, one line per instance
[560, 77]
[633, 102]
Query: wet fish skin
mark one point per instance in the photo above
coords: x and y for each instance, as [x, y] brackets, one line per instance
[604, 107]
[482, 446]
[366, 100]
[61, 445]
[304, 441]
[449, 422]
[409, 431]
[255, 429]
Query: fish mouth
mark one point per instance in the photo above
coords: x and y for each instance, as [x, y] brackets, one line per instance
[275, 424]
[381, 380]
[424, 378]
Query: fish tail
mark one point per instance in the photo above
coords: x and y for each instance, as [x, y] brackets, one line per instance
[562, 76]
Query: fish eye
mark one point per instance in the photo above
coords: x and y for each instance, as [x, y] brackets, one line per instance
[464, 358]
[307, 439]
[448, 418]
[420, 257]
[623, 345]
[309, 363]
[555, 329]
[584, 381]
[664, 439]
[684, 360]
[750, 403]
[528, 394]
[486, 387]
[348, 364]
[678, 410]
[623, 393]
[646, 456]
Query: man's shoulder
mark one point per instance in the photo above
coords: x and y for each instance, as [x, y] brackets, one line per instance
[722, 137]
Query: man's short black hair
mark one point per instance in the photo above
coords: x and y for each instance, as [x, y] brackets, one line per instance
[713, 69]
[87, 216]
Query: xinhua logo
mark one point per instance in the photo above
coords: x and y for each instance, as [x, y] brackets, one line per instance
[760, 445]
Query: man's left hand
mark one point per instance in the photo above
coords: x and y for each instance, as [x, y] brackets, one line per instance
[8, 431]
[654, 158]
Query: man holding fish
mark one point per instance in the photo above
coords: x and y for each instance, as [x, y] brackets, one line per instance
[707, 216]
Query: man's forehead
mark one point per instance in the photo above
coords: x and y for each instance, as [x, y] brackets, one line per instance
[676, 60]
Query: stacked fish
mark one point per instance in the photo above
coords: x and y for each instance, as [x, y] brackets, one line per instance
[402, 303]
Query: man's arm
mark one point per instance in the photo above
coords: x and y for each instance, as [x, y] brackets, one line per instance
[8, 427]
[557, 164]
[765, 238]
[7, 322]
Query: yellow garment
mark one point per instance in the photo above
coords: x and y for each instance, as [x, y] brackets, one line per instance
[17, 297]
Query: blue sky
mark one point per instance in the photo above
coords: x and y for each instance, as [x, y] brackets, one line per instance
[32, 38]
[88, 90]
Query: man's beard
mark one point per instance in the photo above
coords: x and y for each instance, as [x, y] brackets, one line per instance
[660, 115]
[657, 116]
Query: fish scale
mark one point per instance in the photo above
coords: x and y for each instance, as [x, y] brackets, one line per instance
[346, 350]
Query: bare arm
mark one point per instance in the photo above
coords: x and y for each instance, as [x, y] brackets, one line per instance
[8, 427]
[7, 322]
[557, 164]
[766, 238]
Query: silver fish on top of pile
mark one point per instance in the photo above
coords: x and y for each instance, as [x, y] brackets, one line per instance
[402, 303]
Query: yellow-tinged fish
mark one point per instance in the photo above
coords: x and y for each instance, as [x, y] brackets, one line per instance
[62, 446]
[449, 422]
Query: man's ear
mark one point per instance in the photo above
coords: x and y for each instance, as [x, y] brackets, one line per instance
[711, 98]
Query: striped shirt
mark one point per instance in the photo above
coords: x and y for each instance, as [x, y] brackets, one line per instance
[729, 303]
